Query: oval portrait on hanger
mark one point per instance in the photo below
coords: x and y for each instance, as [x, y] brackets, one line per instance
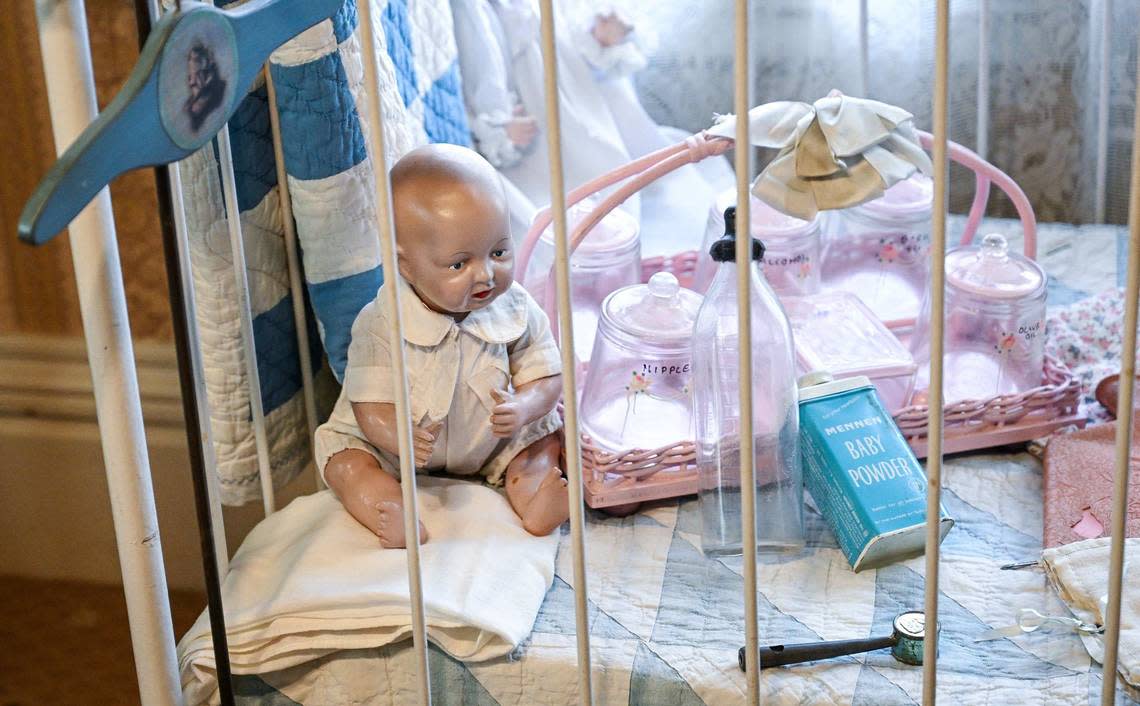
[197, 78]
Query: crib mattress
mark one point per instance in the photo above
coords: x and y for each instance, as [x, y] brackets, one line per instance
[666, 622]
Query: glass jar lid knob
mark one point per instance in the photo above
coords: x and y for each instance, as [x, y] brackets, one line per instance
[995, 245]
[664, 285]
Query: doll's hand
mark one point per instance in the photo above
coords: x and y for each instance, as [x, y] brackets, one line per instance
[507, 417]
[610, 30]
[521, 129]
[423, 438]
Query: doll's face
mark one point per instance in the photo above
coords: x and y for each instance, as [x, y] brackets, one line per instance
[464, 258]
[453, 232]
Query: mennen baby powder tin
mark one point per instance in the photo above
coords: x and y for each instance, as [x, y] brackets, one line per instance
[861, 473]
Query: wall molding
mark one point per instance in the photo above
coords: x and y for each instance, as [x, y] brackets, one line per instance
[48, 378]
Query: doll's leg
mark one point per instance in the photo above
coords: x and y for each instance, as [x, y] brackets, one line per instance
[370, 495]
[536, 488]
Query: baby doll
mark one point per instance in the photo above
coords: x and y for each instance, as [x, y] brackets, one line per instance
[484, 372]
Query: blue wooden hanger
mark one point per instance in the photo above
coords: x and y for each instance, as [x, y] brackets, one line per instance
[191, 76]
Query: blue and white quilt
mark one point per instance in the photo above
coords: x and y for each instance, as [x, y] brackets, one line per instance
[319, 82]
[666, 622]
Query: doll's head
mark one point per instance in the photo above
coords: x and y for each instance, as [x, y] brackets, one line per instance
[452, 228]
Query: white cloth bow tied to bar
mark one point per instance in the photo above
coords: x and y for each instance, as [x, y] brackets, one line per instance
[835, 153]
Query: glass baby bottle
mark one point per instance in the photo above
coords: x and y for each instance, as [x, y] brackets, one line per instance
[716, 410]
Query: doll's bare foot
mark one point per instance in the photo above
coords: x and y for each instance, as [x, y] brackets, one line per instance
[390, 525]
[550, 505]
[370, 495]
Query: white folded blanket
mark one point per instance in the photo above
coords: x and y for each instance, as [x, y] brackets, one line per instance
[1079, 571]
[310, 580]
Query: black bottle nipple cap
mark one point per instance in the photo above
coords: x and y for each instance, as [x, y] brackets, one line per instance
[724, 249]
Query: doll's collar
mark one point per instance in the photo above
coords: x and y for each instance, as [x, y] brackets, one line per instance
[504, 321]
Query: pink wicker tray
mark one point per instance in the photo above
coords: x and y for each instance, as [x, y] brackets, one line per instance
[619, 479]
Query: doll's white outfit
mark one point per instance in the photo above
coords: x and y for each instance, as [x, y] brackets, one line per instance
[500, 58]
[452, 368]
[603, 124]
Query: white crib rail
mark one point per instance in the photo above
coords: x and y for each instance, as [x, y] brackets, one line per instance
[566, 326]
[1124, 413]
[72, 102]
[294, 265]
[245, 315]
[743, 155]
[375, 111]
[982, 116]
[937, 290]
[1104, 33]
[103, 306]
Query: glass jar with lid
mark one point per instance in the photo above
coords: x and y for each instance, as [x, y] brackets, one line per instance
[880, 251]
[607, 259]
[994, 328]
[791, 247]
[637, 392]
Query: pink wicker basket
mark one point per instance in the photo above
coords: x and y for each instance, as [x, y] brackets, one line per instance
[623, 477]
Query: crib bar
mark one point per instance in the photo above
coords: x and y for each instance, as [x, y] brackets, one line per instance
[982, 129]
[184, 319]
[864, 50]
[245, 310]
[387, 232]
[195, 381]
[296, 287]
[566, 329]
[191, 380]
[743, 153]
[1104, 71]
[937, 284]
[98, 276]
[1124, 411]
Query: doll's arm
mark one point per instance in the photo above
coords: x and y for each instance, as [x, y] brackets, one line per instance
[377, 420]
[540, 396]
[368, 379]
[528, 403]
[536, 374]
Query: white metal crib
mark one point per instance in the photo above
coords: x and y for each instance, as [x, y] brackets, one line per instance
[71, 94]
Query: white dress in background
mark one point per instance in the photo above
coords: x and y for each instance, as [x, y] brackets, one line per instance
[603, 124]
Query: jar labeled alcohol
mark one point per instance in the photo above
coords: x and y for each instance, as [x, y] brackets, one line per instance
[791, 262]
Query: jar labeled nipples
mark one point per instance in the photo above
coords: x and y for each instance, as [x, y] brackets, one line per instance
[994, 328]
[637, 393]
